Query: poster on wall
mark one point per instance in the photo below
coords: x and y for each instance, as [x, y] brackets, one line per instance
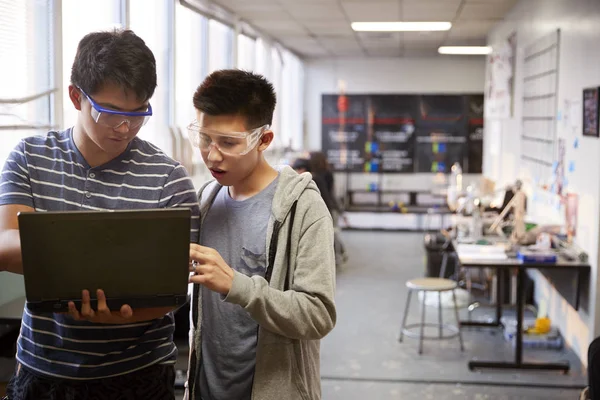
[390, 127]
[590, 112]
[403, 133]
[441, 135]
[499, 81]
[343, 131]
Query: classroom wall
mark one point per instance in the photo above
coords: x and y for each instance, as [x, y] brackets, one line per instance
[579, 57]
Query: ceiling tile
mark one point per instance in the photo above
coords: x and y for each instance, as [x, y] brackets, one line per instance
[487, 10]
[309, 51]
[380, 36]
[340, 43]
[306, 1]
[279, 27]
[423, 44]
[272, 14]
[324, 27]
[423, 36]
[432, 3]
[322, 11]
[471, 29]
[384, 52]
[369, 45]
[427, 10]
[509, 2]
[348, 53]
[251, 5]
[429, 15]
[372, 11]
[302, 41]
[243, 3]
[419, 52]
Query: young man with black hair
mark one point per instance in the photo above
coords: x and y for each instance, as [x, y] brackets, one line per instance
[99, 164]
[264, 271]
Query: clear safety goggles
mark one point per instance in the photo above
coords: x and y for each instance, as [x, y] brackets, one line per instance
[114, 119]
[230, 143]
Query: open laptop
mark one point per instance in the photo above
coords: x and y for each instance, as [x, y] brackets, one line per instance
[138, 257]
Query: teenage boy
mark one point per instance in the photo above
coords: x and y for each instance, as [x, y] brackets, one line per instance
[99, 164]
[264, 271]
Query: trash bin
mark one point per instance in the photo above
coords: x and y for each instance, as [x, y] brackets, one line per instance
[434, 243]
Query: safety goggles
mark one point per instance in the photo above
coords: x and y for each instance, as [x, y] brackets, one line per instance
[230, 143]
[114, 119]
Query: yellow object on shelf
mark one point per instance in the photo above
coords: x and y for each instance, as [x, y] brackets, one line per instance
[541, 326]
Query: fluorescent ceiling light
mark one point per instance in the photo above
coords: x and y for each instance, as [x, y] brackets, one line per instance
[400, 26]
[465, 50]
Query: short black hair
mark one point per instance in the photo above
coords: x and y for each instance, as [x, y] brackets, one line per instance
[119, 57]
[236, 92]
[301, 163]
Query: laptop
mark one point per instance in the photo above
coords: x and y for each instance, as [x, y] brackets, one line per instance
[138, 257]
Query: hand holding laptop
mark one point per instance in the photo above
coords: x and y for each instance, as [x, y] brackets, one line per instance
[103, 315]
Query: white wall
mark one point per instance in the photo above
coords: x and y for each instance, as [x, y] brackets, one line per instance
[579, 22]
[441, 74]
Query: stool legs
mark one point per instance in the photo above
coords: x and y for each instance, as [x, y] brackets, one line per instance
[462, 347]
[440, 314]
[405, 316]
[422, 333]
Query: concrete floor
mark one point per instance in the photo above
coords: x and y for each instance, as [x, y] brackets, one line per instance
[363, 358]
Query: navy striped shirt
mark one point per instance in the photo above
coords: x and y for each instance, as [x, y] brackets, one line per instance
[48, 173]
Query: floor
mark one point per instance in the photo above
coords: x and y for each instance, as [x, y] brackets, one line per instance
[362, 356]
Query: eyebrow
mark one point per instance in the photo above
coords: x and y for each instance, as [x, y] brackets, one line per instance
[113, 107]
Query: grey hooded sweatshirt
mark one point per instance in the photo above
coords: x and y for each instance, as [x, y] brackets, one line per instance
[293, 304]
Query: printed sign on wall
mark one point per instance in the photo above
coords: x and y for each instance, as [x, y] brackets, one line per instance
[403, 133]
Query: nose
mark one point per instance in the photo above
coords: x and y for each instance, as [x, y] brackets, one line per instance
[123, 127]
[213, 153]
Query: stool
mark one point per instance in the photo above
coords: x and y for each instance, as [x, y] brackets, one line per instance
[426, 285]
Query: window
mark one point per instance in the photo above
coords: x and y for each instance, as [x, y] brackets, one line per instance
[153, 22]
[25, 71]
[246, 52]
[292, 101]
[80, 17]
[275, 79]
[262, 58]
[191, 49]
[220, 46]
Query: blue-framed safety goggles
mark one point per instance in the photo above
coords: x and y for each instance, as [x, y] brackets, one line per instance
[114, 119]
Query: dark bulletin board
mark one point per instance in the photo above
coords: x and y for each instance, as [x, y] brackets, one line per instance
[591, 113]
[403, 133]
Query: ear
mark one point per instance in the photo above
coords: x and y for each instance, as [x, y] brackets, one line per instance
[265, 140]
[75, 96]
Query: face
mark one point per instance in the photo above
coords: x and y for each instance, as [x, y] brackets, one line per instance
[229, 169]
[109, 131]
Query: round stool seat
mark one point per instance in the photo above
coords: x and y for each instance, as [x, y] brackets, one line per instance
[431, 284]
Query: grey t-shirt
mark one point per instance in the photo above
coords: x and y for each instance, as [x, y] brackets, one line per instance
[237, 230]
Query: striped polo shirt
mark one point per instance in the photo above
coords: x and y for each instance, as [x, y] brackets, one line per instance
[49, 173]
